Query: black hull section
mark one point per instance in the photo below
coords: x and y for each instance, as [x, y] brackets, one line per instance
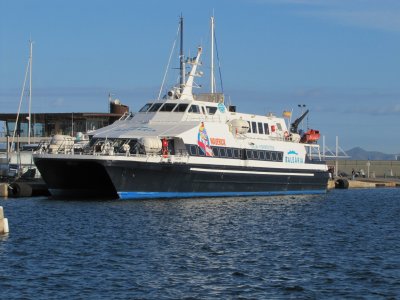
[76, 178]
[144, 180]
[68, 177]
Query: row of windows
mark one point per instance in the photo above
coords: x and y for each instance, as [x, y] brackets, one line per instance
[181, 107]
[236, 153]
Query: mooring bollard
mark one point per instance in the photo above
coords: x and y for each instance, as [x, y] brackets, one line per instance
[3, 222]
[3, 190]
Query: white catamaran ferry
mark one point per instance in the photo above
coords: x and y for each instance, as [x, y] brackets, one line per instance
[188, 145]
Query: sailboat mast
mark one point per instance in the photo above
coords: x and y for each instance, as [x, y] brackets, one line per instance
[212, 56]
[30, 91]
[182, 58]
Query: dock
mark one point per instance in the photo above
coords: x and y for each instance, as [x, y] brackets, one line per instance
[358, 183]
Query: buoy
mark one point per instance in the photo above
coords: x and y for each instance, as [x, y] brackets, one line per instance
[3, 222]
[341, 184]
[20, 189]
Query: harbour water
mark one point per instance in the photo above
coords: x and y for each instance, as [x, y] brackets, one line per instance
[344, 244]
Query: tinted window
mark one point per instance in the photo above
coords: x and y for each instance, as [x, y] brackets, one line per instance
[181, 107]
[249, 126]
[254, 127]
[255, 154]
[229, 152]
[266, 128]
[215, 151]
[211, 110]
[203, 110]
[146, 107]
[236, 153]
[222, 152]
[268, 155]
[249, 154]
[193, 150]
[155, 107]
[273, 156]
[194, 109]
[280, 156]
[168, 107]
[260, 128]
[200, 151]
[262, 155]
[279, 126]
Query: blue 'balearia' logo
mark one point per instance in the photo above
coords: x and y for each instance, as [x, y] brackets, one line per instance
[294, 157]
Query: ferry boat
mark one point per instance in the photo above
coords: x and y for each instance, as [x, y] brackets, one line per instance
[188, 145]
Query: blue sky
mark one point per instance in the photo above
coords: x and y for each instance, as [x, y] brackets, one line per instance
[339, 57]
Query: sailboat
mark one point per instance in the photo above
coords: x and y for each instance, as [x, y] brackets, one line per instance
[18, 160]
[188, 145]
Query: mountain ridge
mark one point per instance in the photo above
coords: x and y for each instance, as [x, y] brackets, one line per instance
[358, 153]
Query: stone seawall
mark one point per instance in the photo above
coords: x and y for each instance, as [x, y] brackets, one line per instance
[377, 168]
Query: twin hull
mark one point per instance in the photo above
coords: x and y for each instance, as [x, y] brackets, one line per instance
[88, 176]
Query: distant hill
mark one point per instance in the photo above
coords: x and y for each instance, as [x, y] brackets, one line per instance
[358, 153]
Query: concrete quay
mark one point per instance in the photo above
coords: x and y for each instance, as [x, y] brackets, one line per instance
[346, 183]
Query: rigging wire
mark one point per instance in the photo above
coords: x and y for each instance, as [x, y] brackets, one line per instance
[169, 62]
[20, 101]
[219, 63]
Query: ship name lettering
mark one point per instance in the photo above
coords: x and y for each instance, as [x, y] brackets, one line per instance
[218, 142]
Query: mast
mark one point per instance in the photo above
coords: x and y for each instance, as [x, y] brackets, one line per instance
[30, 91]
[212, 56]
[187, 91]
[182, 58]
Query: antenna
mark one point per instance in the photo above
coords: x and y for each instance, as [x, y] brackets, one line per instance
[212, 55]
[182, 59]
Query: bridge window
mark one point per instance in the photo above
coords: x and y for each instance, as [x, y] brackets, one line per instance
[181, 107]
[168, 107]
[266, 128]
[260, 128]
[155, 107]
[146, 107]
[254, 127]
[194, 109]
[211, 110]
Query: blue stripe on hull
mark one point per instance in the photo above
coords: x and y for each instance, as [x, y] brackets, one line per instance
[157, 195]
